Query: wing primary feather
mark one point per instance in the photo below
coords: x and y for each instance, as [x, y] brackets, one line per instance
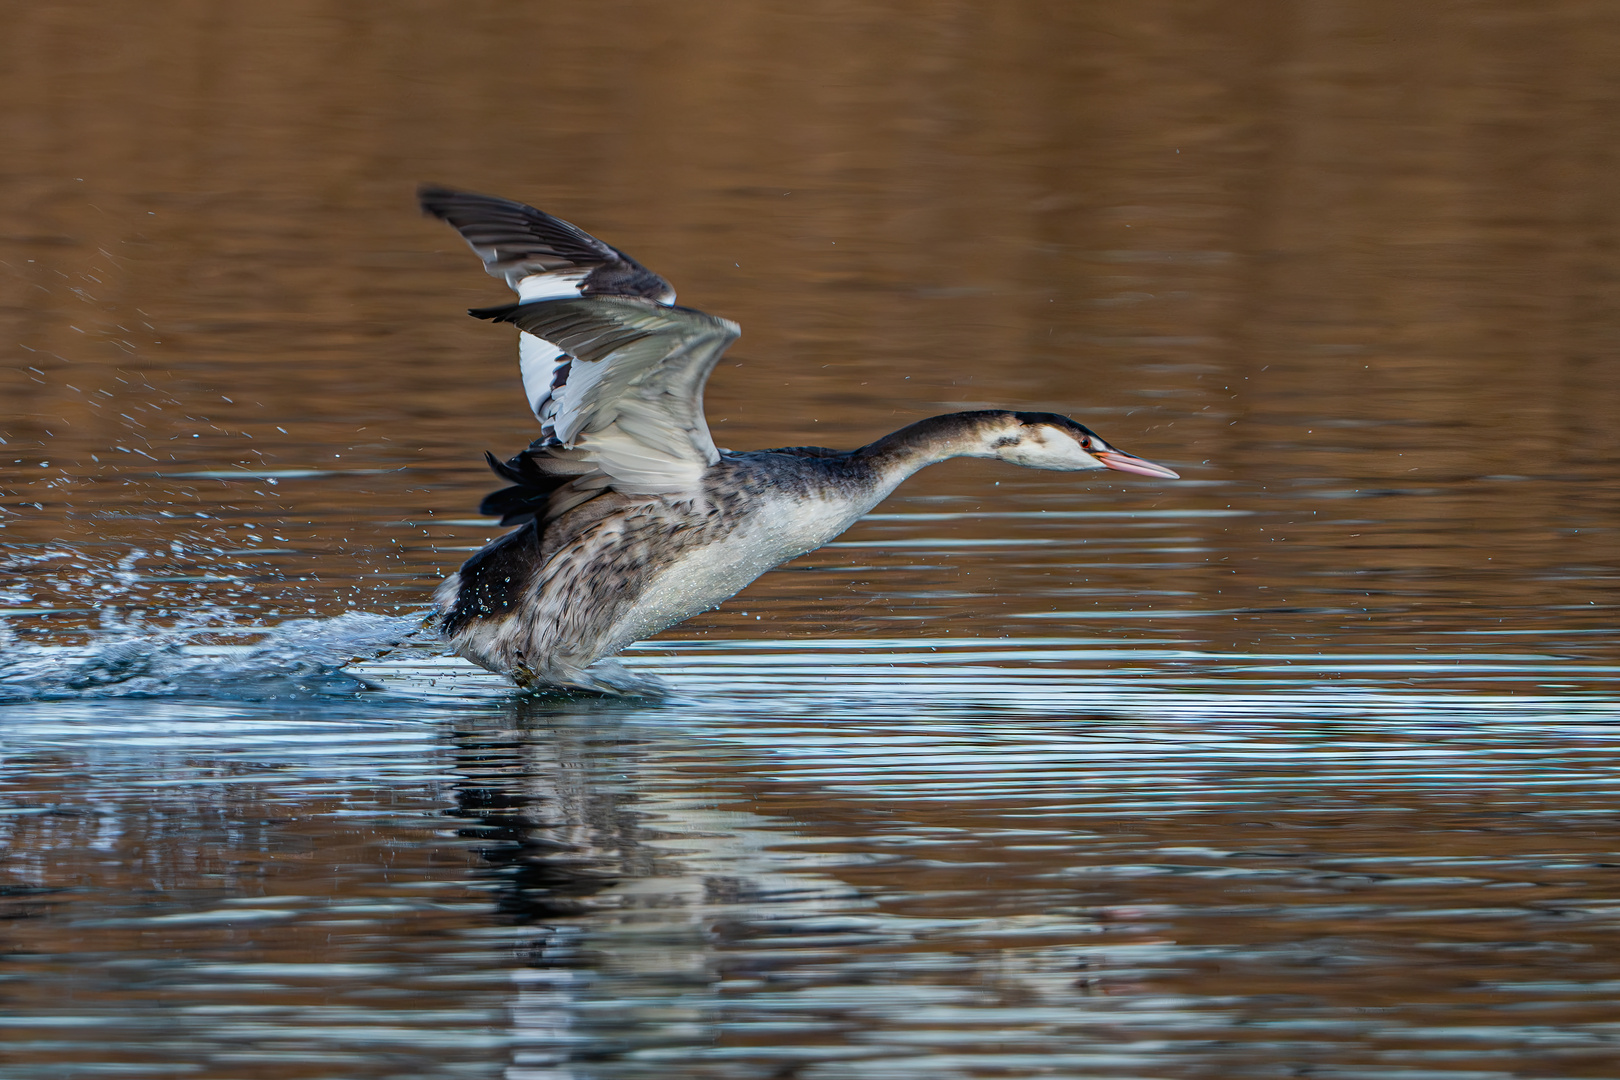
[539, 255]
[489, 221]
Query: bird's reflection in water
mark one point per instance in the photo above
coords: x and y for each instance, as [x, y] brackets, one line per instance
[548, 791]
[619, 885]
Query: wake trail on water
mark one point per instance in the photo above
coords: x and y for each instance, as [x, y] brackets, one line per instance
[299, 658]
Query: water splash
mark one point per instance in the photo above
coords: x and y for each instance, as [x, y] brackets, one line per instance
[299, 658]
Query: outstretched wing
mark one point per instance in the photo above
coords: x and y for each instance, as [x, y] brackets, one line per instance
[541, 257]
[631, 400]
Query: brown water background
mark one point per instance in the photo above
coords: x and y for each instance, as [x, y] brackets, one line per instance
[1303, 765]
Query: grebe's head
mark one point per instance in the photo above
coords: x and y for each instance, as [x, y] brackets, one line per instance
[1052, 441]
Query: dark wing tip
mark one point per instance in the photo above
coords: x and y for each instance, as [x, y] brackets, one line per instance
[498, 313]
[460, 208]
[503, 469]
[434, 199]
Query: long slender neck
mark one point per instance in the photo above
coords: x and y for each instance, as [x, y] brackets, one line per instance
[897, 455]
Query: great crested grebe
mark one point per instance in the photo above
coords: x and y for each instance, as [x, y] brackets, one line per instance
[630, 519]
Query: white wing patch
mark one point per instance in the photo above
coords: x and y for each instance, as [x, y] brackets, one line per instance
[556, 285]
[539, 360]
[541, 363]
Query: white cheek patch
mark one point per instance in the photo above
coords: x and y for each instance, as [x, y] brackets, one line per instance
[1062, 454]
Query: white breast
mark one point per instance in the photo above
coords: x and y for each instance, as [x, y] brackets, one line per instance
[779, 530]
